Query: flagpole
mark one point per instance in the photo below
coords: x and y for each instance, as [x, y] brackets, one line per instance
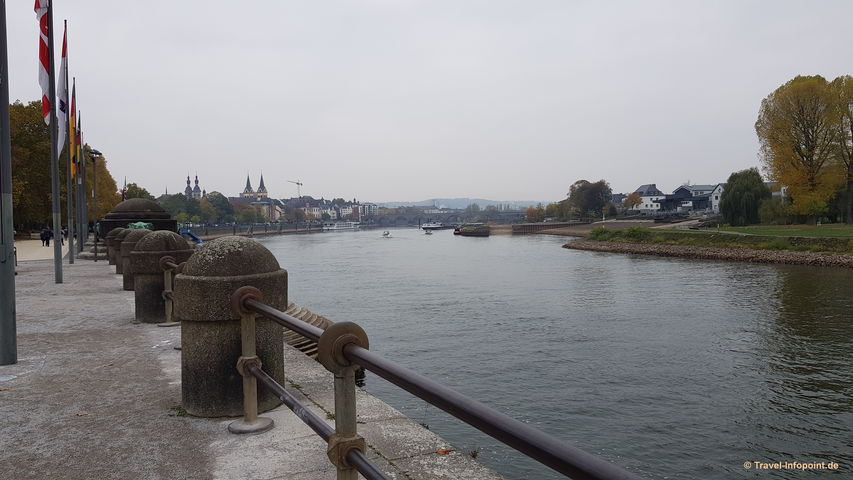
[84, 195]
[54, 153]
[8, 331]
[69, 196]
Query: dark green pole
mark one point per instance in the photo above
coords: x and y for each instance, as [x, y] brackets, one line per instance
[8, 334]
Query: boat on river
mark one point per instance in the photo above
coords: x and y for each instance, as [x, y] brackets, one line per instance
[435, 226]
[473, 231]
[336, 226]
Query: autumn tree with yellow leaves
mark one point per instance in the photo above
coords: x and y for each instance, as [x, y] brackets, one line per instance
[801, 127]
[31, 185]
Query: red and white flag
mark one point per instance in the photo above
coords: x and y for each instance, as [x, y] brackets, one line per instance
[44, 57]
[62, 98]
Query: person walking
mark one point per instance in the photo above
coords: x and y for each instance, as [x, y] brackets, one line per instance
[43, 237]
[47, 236]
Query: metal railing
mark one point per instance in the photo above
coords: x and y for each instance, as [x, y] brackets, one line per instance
[342, 348]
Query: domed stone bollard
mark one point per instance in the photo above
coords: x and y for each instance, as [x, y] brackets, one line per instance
[127, 246]
[210, 329]
[148, 274]
[117, 248]
[110, 240]
[137, 210]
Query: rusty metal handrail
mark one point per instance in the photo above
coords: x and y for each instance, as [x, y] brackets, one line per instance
[540, 446]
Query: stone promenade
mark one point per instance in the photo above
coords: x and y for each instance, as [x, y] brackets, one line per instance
[95, 395]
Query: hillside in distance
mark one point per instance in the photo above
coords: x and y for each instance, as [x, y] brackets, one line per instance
[460, 203]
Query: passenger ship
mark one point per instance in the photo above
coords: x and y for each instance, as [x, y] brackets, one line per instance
[335, 226]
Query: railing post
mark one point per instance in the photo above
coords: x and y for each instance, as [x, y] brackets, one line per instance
[168, 264]
[330, 354]
[251, 422]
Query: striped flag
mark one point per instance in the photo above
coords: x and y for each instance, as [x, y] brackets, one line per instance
[79, 144]
[62, 98]
[72, 129]
[44, 55]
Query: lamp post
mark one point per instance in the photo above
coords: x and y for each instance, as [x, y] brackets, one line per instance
[94, 154]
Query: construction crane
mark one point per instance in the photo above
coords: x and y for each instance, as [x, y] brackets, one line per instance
[298, 187]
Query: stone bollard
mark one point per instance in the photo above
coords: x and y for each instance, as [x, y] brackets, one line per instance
[117, 248]
[148, 275]
[110, 241]
[210, 328]
[127, 246]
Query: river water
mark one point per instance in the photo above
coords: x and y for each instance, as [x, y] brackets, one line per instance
[669, 368]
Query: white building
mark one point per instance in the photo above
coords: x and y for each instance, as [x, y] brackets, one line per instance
[649, 193]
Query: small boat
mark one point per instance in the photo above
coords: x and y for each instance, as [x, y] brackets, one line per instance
[427, 232]
[386, 234]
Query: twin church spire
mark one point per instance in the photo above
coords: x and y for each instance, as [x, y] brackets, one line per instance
[194, 192]
[248, 192]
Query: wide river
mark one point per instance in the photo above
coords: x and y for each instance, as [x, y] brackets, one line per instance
[669, 368]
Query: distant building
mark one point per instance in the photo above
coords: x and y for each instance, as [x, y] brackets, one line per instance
[649, 194]
[270, 209]
[194, 192]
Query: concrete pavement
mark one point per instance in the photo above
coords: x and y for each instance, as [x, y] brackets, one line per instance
[33, 250]
[96, 395]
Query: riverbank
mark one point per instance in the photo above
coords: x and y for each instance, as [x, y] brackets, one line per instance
[96, 395]
[716, 253]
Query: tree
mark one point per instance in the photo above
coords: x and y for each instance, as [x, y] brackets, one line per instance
[472, 208]
[208, 212]
[589, 198]
[842, 92]
[30, 165]
[553, 210]
[745, 190]
[535, 214]
[224, 209]
[135, 191]
[107, 191]
[632, 201]
[248, 215]
[798, 132]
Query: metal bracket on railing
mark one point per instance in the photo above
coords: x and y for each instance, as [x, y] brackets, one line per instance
[245, 363]
[340, 446]
[330, 353]
[330, 347]
[167, 264]
[251, 422]
[241, 295]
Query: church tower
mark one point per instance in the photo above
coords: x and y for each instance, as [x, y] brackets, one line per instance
[188, 191]
[248, 192]
[196, 190]
[262, 190]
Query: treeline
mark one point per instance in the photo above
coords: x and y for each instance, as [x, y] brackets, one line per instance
[31, 185]
[212, 208]
[584, 200]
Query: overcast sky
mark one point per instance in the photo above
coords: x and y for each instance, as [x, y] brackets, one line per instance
[386, 100]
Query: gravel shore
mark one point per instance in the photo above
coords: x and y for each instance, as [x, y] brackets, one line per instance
[713, 253]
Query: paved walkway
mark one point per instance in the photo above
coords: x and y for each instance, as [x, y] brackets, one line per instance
[34, 250]
[96, 395]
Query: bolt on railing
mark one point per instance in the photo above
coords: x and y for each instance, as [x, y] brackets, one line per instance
[344, 345]
[170, 268]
